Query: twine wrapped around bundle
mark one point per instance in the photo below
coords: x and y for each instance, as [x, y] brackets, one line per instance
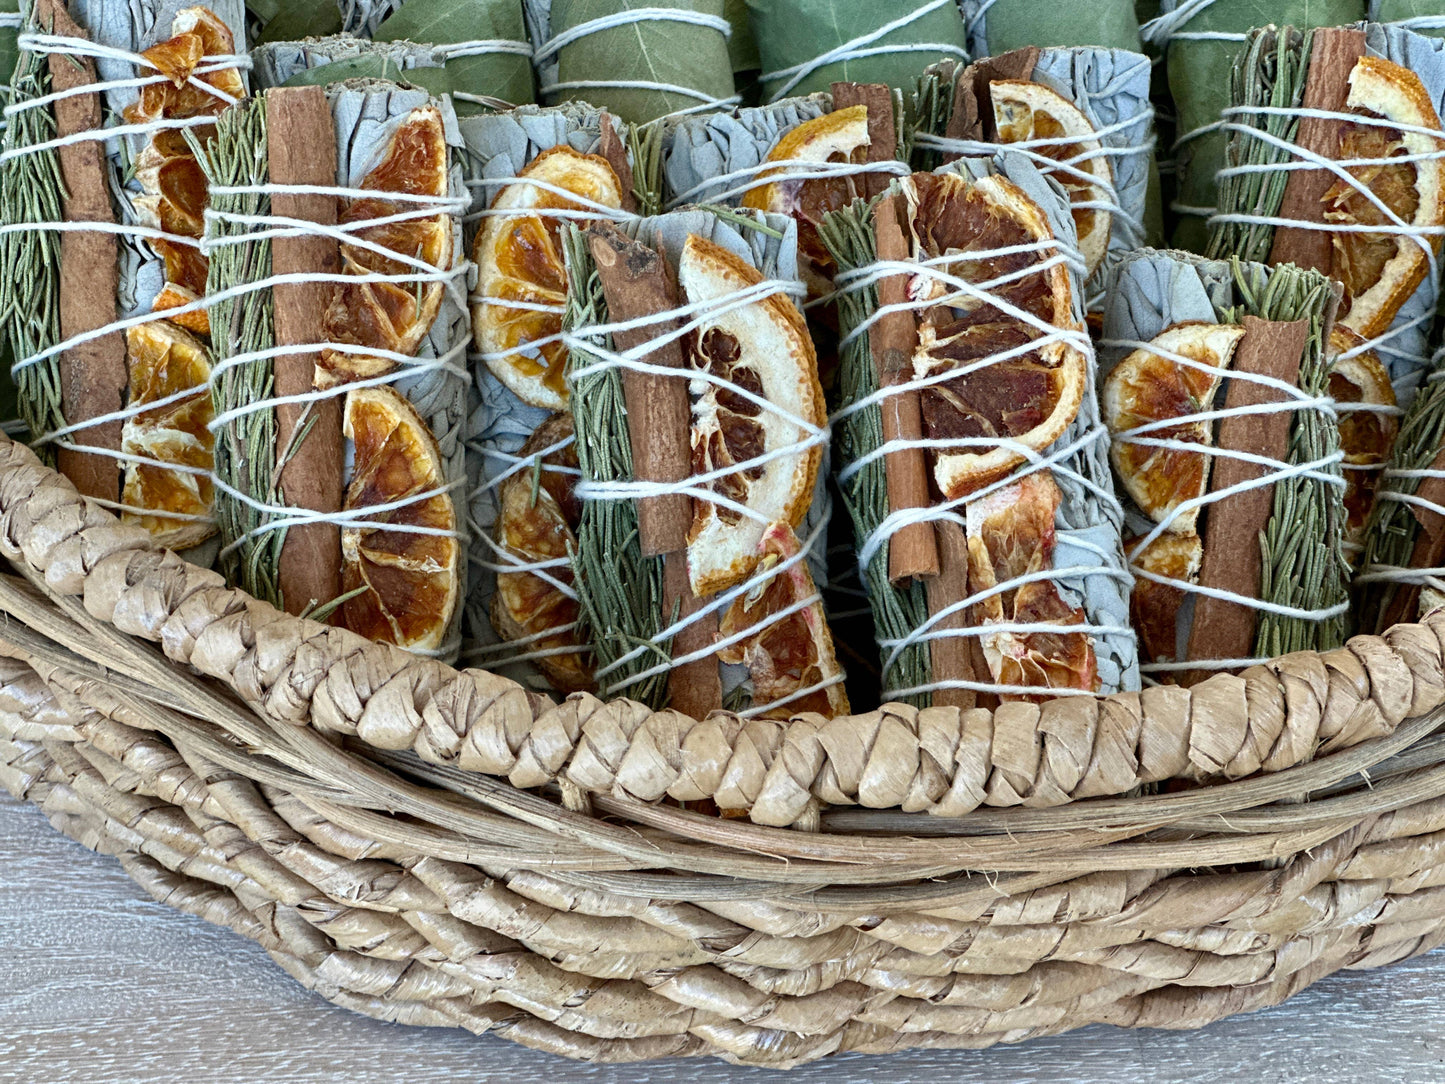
[472, 903]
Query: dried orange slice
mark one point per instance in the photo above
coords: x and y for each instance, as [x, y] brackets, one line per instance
[764, 349]
[1154, 607]
[1027, 400]
[1381, 270]
[174, 505]
[1146, 387]
[1366, 436]
[409, 576]
[519, 260]
[1030, 111]
[537, 517]
[791, 653]
[1010, 534]
[173, 185]
[196, 33]
[173, 296]
[839, 136]
[393, 316]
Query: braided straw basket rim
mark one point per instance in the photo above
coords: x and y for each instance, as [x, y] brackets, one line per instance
[444, 847]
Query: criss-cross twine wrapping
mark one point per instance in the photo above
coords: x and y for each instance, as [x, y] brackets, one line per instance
[403, 873]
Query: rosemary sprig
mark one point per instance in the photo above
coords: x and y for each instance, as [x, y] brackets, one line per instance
[30, 191]
[245, 445]
[618, 589]
[1393, 529]
[645, 142]
[1303, 545]
[1270, 72]
[933, 109]
[896, 611]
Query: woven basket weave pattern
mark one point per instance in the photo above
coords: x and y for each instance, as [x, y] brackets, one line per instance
[374, 821]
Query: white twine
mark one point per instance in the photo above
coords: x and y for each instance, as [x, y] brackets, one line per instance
[1169, 26]
[783, 171]
[1295, 400]
[862, 46]
[626, 18]
[482, 47]
[1058, 459]
[10, 18]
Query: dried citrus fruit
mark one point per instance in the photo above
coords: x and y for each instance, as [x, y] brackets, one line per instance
[1010, 535]
[538, 514]
[839, 136]
[1153, 606]
[791, 653]
[174, 193]
[165, 361]
[1381, 270]
[196, 33]
[1148, 387]
[409, 575]
[762, 349]
[1025, 111]
[1029, 399]
[173, 296]
[1366, 436]
[519, 262]
[393, 316]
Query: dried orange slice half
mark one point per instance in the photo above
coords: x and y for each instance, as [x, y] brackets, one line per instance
[839, 136]
[763, 349]
[1153, 606]
[1381, 270]
[174, 505]
[538, 514]
[1010, 533]
[196, 33]
[393, 316]
[1029, 399]
[409, 575]
[788, 654]
[1366, 436]
[1030, 111]
[173, 296]
[1147, 387]
[519, 263]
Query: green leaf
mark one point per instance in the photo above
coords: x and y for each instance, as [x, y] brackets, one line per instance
[293, 20]
[449, 22]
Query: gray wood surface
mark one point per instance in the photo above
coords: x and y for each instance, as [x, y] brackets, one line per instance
[99, 985]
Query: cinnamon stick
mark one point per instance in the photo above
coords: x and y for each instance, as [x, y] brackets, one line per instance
[1232, 558]
[951, 657]
[1333, 55]
[882, 133]
[93, 374]
[972, 115]
[912, 551]
[637, 282]
[301, 149]
[614, 150]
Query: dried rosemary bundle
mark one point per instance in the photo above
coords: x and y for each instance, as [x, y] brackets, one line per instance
[1293, 94]
[340, 457]
[961, 617]
[1237, 553]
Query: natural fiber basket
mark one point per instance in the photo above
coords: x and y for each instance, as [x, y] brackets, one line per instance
[442, 847]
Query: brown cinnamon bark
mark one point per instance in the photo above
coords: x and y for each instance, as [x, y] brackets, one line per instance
[912, 551]
[1333, 55]
[637, 282]
[972, 115]
[615, 151]
[301, 149]
[93, 375]
[951, 657]
[882, 134]
[1232, 557]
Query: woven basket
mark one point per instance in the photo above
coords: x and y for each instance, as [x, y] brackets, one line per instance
[442, 847]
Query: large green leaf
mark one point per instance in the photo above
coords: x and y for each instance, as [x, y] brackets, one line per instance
[651, 50]
[448, 22]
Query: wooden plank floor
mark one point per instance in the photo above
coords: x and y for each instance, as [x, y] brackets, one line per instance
[99, 985]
